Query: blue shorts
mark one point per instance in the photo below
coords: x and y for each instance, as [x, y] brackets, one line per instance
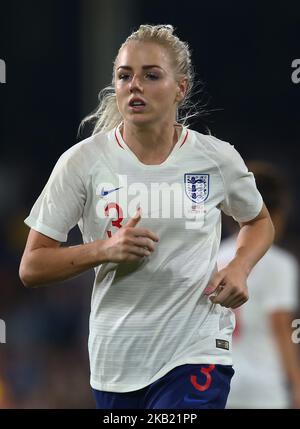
[194, 386]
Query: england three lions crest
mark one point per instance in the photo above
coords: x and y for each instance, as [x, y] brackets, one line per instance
[196, 187]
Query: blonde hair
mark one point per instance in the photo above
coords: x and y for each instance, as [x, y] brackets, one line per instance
[107, 115]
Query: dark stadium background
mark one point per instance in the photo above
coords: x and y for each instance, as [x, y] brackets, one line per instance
[58, 55]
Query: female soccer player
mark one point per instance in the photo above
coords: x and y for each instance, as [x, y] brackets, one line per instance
[160, 323]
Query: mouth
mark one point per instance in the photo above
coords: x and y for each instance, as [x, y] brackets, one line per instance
[137, 105]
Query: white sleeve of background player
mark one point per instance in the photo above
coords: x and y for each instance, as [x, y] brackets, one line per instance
[283, 291]
[242, 200]
[60, 205]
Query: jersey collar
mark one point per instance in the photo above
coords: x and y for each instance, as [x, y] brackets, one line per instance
[180, 142]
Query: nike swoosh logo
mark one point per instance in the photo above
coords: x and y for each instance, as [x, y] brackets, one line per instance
[104, 193]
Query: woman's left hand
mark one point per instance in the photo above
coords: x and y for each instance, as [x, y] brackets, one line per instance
[229, 286]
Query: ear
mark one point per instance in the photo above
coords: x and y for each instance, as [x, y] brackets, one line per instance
[182, 89]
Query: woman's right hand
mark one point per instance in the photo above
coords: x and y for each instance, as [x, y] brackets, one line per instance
[130, 243]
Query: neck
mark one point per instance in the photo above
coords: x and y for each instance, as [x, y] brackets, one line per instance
[153, 144]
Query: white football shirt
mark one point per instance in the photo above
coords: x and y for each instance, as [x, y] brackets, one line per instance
[150, 317]
[260, 378]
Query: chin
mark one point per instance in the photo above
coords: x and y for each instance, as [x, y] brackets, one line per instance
[139, 120]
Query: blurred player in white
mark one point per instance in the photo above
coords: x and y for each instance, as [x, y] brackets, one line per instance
[265, 359]
[157, 337]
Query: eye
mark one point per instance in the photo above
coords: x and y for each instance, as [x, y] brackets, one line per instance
[151, 76]
[123, 76]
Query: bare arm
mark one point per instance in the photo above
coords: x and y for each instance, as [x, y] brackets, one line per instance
[281, 325]
[254, 239]
[44, 261]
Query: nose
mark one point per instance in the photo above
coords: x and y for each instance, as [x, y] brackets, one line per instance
[135, 84]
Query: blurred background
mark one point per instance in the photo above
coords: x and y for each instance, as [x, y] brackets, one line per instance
[58, 56]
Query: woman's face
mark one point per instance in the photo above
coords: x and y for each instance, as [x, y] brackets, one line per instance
[146, 88]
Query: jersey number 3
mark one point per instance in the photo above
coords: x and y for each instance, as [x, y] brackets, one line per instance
[116, 222]
[206, 385]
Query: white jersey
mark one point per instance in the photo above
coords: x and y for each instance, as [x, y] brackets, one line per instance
[260, 378]
[150, 317]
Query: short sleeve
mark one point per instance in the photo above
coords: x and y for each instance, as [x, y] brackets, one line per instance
[60, 205]
[242, 200]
